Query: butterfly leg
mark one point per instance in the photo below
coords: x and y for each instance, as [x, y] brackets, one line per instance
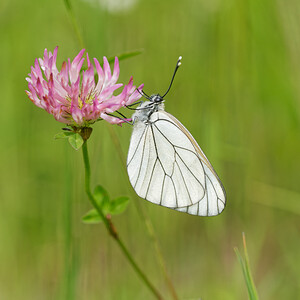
[123, 118]
[130, 106]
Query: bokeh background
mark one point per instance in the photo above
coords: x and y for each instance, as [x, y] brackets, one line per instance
[237, 91]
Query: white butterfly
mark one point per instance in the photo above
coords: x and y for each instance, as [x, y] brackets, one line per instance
[166, 165]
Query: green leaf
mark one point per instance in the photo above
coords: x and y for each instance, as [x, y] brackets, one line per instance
[101, 197]
[118, 205]
[126, 55]
[63, 135]
[114, 207]
[91, 217]
[76, 141]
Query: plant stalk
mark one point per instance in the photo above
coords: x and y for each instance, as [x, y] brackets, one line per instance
[110, 226]
[145, 218]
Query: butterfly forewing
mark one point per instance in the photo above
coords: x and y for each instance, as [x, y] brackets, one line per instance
[166, 166]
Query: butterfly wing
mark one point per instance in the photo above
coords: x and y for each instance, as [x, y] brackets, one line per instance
[167, 167]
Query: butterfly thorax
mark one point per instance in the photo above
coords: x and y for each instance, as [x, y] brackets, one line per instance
[147, 108]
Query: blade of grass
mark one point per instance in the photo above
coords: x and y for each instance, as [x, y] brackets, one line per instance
[74, 23]
[246, 270]
[126, 55]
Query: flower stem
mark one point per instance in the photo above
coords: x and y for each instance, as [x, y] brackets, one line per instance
[145, 218]
[71, 258]
[110, 226]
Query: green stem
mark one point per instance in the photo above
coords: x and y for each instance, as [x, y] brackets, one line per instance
[70, 253]
[74, 23]
[110, 226]
[145, 218]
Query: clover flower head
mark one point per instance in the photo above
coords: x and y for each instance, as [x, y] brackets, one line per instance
[73, 96]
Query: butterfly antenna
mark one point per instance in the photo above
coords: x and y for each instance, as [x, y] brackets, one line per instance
[143, 94]
[176, 68]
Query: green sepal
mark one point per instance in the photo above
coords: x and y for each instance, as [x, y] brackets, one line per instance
[63, 135]
[75, 140]
[91, 217]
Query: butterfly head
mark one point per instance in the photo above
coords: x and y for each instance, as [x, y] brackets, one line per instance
[154, 103]
[156, 98]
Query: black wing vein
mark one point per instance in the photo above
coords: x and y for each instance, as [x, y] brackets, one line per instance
[140, 163]
[184, 182]
[150, 180]
[142, 135]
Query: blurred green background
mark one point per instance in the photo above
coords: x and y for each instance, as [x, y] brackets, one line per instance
[237, 92]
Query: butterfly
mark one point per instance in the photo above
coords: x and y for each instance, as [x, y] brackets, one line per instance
[165, 164]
